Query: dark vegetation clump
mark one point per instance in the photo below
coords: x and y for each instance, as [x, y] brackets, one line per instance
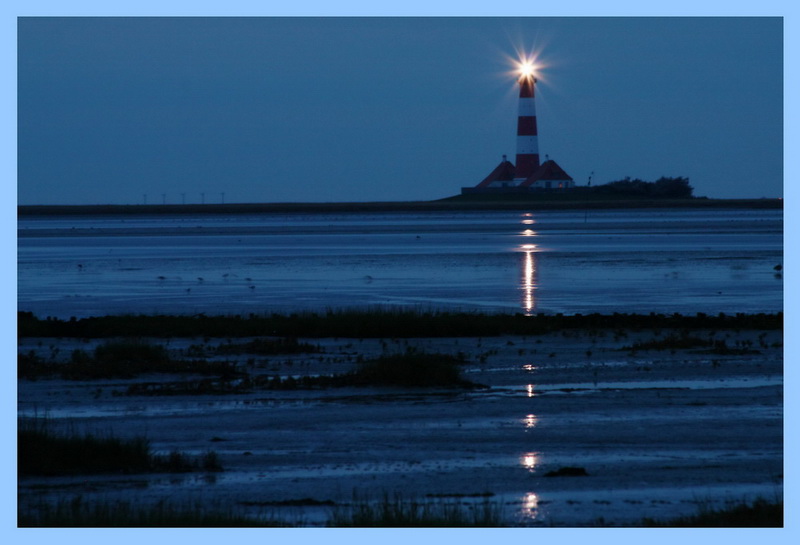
[77, 513]
[31, 367]
[663, 188]
[568, 471]
[376, 324]
[409, 370]
[760, 513]
[44, 451]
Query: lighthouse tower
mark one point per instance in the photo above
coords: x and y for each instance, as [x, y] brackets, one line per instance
[527, 137]
[528, 175]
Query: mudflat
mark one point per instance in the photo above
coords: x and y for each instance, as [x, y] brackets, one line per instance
[572, 427]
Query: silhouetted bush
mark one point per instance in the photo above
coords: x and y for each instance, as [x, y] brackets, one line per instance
[408, 370]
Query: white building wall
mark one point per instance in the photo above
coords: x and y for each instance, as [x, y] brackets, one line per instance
[553, 184]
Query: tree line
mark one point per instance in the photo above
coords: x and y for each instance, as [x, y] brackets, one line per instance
[663, 188]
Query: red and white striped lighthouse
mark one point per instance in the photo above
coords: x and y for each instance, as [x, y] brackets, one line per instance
[527, 137]
[528, 175]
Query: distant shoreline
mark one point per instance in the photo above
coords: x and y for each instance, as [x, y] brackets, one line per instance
[443, 205]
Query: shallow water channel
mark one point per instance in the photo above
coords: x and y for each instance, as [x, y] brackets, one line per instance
[604, 261]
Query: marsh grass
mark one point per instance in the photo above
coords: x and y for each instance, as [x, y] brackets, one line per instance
[77, 512]
[375, 323]
[45, 451]
[397, 512]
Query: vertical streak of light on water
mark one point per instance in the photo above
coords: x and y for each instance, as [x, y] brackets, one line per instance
[528, 281]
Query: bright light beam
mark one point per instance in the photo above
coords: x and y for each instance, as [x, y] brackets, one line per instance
[526, 68]
[526, 64]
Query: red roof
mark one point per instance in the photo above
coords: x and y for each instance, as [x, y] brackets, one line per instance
[549, 170]
[504, 172]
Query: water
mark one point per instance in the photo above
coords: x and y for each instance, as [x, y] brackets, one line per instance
[684, 261]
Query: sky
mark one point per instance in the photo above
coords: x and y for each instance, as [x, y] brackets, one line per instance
[269, 109]
[123, 110]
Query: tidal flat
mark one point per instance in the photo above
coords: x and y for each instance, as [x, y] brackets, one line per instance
[600, 423]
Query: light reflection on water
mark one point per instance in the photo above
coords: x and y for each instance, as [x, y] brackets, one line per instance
[530, 421]
[528, 278]
[529, 460]
[529, 267]
[530, 505]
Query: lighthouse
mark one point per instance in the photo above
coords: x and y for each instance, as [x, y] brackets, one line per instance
[527, 137]
[528, 174]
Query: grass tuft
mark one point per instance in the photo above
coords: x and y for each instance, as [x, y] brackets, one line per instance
[44, 451]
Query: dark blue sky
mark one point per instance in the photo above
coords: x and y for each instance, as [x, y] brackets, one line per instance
[364, 109]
